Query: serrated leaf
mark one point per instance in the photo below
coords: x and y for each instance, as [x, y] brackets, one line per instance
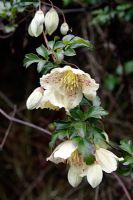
[59, 56]
[95, 112]
[42, 51]
[30, 59]
[127, 146]
[41, 65]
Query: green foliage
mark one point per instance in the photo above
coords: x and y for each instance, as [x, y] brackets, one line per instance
[123, 11]
[54, 54]
[111, 81]
[127, 147]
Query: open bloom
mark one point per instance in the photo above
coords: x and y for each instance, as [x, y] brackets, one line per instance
[36, 26]
[68, 151]
[68, 85]
[105, 161]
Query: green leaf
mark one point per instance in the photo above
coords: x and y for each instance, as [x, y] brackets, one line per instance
[42, 51]
[80, 128]
[58, 135]
[76, 113]
[68, 37]
[70, 52]
[127, 146]
[41, 65]
[89, 159]
[51, 44]
[97, 135]
[128, 160]
[80, 42]
[62, 125]
[95, 112]
[59, 55]
[58, 45]
[30, 59]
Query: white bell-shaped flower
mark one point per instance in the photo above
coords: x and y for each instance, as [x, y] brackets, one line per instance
[34, 99]
[64, 28]
[67, 86]
[36, 25]
[51, 21]
[105, 161]
[73, 176]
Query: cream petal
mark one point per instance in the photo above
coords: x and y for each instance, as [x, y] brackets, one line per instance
[55, 160]
[34, 99]
[64, 150]
[39, 17]
[106, 159]
[35, 29]
[74, 177]
[51, 21]
[89, 86]
[94, 174]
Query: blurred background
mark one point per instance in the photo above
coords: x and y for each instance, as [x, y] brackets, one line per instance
[24, 172]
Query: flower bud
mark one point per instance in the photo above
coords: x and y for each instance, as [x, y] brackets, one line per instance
[34, 99]
[51, 21]
[64, 28]
[36, 25]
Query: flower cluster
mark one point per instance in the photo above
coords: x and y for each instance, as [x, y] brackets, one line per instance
[104, 161]
[64, 87]
[51, 21]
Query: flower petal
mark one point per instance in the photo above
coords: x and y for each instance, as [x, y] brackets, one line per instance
[89, 86]
[94, 174]
[74, 177]
[65, 149]
[106, 159]
[34, 99]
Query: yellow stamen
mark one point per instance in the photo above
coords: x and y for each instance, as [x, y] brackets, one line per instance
[70, 81]
[75, 158]
[49, 105]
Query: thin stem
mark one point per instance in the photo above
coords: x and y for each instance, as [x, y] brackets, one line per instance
[46, 42]
[71, 64]
[123, 186]
[13, 119]
[8, 130]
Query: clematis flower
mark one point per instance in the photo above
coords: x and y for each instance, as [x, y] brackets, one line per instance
[67, 151]
[64, 28]
[34, 99]
[36, 26]
[105, 161]
[68, 85]
[51, 21]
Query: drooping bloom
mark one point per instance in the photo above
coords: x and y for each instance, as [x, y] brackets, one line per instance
[34, 99]
[105, 161]
[67, 151]
[36, 26]
[51, 21]
[64, 28]
[67, 86]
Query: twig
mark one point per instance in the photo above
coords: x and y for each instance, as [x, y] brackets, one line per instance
[13, 119]
[8, 130]
[123, 186]
[97, 193]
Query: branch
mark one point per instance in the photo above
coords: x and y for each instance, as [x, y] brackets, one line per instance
[8, 130]
[123, 186]
[13, 119]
